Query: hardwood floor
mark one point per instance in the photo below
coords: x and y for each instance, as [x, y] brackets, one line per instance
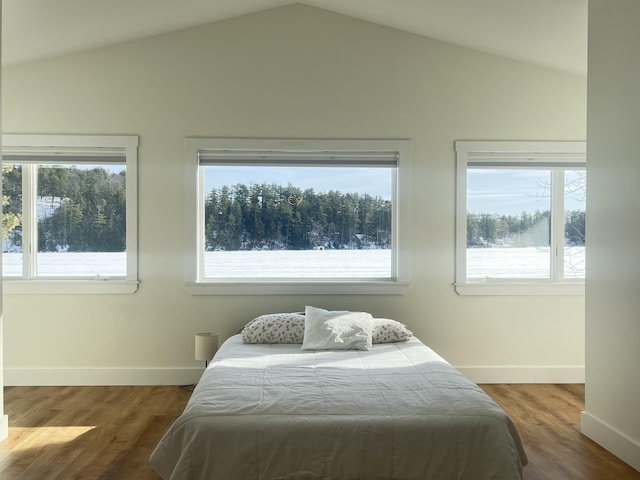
[548, 420]
[91, 433]
[68, 433]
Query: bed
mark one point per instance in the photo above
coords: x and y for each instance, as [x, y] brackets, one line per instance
[396, 410]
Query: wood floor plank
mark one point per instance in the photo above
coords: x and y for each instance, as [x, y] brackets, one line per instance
[108, 433]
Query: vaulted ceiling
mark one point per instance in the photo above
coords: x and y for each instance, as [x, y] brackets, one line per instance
[550, 33]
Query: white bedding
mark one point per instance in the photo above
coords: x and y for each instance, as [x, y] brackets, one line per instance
[398, 411]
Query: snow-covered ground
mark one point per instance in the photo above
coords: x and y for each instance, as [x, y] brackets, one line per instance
[481, 263]
[79, 264]
[528, 262]
[299, 263]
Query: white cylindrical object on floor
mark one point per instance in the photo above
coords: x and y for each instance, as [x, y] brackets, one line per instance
[206, 346]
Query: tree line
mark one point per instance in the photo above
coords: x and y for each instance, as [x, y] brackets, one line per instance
[79, 210]
[524, 230]
[85, 210]
[272, 216]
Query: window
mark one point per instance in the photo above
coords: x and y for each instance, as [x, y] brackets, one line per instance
[69, 214]
[297, 216]
[520, 226]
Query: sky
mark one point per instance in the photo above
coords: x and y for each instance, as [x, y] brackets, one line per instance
[511, 192]
[507, 192]
[375, 181]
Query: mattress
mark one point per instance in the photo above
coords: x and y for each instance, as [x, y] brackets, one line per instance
[397, 411]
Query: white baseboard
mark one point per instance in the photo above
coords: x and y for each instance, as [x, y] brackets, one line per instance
[524, 374]
[100, 376]
[4, 427]
[621, 445]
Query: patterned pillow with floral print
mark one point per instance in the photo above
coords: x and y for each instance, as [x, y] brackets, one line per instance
[275, 328]
[386, 330]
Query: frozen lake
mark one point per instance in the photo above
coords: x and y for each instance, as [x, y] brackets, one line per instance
[78, 264]
[299, 263]
[528, 262]
[481, 263]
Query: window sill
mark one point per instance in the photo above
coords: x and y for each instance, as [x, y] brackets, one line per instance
[69, 287]
[298, 288]
[520, 288]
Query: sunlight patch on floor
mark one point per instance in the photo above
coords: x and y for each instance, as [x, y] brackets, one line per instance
[44, 436]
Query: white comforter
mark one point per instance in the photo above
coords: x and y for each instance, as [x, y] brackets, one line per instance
[398, 411]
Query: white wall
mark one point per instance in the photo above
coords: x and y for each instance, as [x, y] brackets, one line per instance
[613, 228]
[289, 72]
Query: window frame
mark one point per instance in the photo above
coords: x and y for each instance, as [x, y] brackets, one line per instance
[401, 219]
[66, 148]
[553, 155]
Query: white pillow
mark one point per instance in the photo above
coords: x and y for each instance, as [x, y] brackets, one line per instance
[336, 330]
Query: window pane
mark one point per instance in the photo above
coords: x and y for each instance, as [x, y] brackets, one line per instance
[508, 223]
[81, 220]
[297, 222]
[575, 188]
[12, 220]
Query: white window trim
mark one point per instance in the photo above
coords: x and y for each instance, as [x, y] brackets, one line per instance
[401, 218]
[22, 144]
[475, 151]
